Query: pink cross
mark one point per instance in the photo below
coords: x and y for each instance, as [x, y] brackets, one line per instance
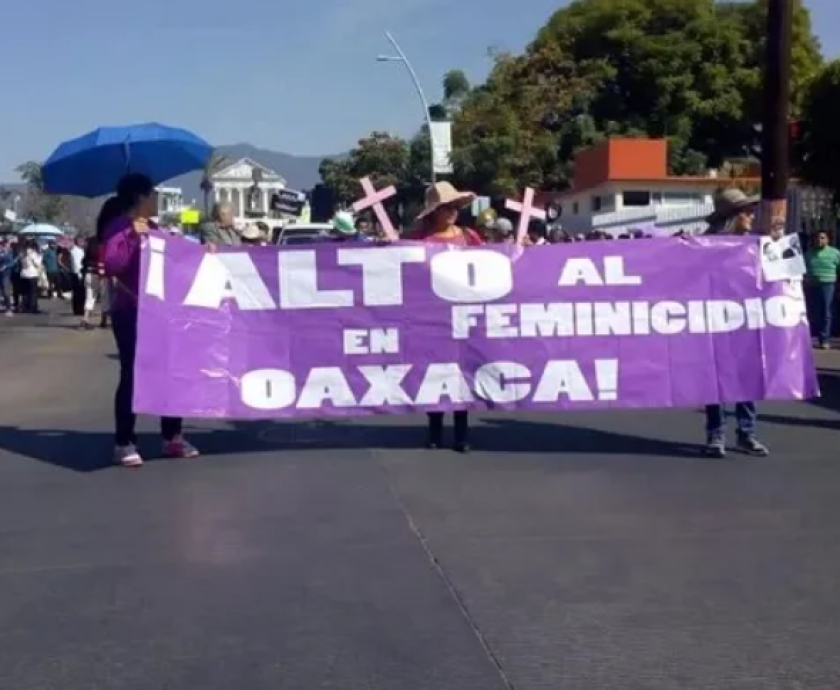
[526, 211]
[374, 199]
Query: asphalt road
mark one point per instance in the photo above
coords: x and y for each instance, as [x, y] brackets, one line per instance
[582, 551]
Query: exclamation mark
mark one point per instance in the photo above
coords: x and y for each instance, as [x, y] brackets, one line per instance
[606, 376]
[155, 284]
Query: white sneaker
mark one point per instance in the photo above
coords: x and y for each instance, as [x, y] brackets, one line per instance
[127, 456]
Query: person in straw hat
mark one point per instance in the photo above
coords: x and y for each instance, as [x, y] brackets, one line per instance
[437, 223]
[733, 214]
[251, 235]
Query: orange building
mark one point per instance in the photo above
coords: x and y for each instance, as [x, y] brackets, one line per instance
[624, 181]
[633, 173]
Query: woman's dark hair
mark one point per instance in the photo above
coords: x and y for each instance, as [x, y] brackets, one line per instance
[110, 211]
[537, 229]
[132, 187]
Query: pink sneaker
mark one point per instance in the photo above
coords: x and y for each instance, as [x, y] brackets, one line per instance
[179, 447]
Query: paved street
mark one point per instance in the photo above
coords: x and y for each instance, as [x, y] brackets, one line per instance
[573, 552]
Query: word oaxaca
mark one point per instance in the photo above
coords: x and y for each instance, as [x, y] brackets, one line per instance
[344, 330]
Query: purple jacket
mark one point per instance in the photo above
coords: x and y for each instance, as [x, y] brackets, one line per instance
[122, 263]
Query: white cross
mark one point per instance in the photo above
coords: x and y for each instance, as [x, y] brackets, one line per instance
[526, 211]
[374, 199]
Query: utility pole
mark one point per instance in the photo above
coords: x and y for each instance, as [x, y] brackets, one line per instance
[775, 167]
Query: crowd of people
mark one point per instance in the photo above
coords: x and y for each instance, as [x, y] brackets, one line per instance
[106, 268]
[70, 270]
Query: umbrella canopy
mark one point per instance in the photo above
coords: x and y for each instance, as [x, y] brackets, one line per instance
[42, 229]
[92, 164]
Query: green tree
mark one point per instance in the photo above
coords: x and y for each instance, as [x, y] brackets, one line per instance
[380, 156]
[821, 136]
[687, 70]
[40, 206]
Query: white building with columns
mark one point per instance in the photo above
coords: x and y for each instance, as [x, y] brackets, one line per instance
[235, 184]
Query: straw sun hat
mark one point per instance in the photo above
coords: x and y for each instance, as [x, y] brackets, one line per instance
[729, 203]
[252, 233]
[444, 194]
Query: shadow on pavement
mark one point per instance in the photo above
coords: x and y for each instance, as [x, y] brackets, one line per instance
[829, 400]
[91, 451]
[86, 451]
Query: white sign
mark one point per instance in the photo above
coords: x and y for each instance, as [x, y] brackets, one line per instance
[441, 134]
[782, 259]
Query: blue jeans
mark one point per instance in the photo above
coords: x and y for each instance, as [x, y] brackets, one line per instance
[745, 417]
[821, 298]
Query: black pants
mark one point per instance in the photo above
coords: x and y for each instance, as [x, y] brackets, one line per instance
[462, 427]
[29, 295]
[125, 333]
[17, 292]
[77, 290]
[54, 279]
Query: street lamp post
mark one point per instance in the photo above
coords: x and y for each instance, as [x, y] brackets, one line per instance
[401, 57]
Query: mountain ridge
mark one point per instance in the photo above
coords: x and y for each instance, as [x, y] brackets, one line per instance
[300, 172]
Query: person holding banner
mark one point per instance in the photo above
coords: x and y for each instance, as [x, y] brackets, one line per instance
[136, 202]
[437, 224]
[733, 214]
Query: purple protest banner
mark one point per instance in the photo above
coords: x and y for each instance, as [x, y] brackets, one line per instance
[351, 329]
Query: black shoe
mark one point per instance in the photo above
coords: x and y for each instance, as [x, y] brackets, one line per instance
[434, 439]
[715, 446]
[462, 432]
[749, 444]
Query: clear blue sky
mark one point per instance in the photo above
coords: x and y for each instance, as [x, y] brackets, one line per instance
[299, 77]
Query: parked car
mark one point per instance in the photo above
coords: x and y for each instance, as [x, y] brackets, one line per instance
[302, 233]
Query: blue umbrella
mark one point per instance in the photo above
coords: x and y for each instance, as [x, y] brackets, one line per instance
[92, 164]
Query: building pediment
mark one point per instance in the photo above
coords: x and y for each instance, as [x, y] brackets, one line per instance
[243, 171]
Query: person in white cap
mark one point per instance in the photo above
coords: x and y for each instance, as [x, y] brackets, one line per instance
[503, 230]
[437, 224]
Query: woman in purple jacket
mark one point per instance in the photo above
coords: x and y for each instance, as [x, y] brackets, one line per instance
[136, 204]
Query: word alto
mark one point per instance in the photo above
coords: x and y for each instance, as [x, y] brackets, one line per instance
[472, 276]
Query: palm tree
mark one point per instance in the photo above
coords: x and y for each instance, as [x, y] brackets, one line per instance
[42, 207]
[215, 163]
[30, 172]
